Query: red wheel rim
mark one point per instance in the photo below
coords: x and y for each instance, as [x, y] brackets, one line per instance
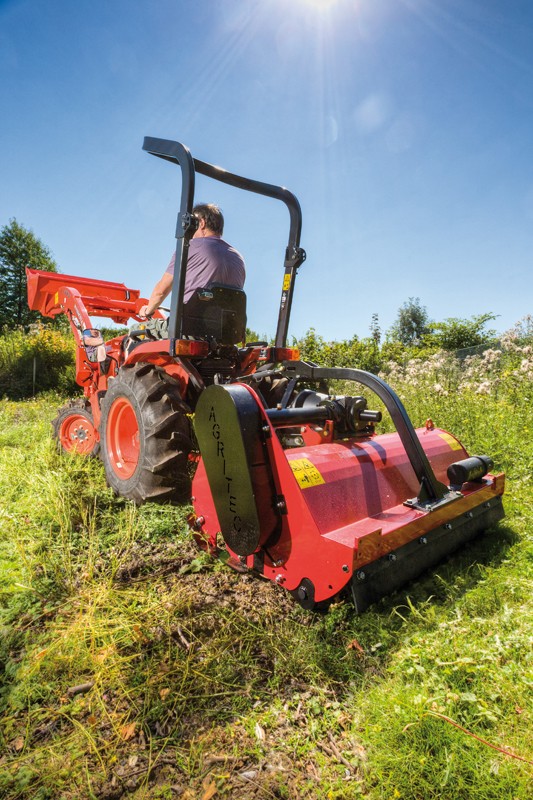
[77, 434]
[122, 438]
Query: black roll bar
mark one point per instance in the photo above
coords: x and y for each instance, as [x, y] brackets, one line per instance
[186, 225]
[177, 153]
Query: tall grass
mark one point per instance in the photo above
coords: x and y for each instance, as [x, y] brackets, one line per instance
[39, 361]
[135, 667]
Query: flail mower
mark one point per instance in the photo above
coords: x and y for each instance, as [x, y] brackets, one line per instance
[289, 478]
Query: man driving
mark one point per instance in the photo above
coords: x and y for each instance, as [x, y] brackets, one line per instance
[210, 260]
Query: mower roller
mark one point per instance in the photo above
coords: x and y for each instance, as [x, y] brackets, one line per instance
[291, 478]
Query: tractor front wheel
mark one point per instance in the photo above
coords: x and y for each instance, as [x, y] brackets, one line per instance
[74, 429]
[146, 436]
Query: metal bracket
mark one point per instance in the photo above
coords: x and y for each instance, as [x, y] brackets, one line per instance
[189, 224]
[430, 504]
[295, 256]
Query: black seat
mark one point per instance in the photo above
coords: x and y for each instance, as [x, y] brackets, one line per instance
[216, 312]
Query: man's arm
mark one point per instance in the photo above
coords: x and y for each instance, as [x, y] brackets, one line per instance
[161, 290]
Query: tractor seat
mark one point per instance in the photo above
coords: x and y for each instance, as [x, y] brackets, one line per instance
[216, 312]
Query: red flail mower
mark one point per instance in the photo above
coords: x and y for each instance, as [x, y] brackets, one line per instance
[289, 477]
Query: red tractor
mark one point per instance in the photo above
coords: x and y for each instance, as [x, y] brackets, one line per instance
[140, 395]
[292, 479]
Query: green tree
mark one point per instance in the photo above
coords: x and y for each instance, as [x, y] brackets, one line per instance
[19, 248]
[411, 323]
[253, 336]
[375, 330]
[456, 334]
[354, 352]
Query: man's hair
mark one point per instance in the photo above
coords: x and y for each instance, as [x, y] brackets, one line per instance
[212, 216]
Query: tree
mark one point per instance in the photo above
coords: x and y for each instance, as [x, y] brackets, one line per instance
[457, 334]
[411, 323]
[375, 330]
[19, 248]
[354, 352]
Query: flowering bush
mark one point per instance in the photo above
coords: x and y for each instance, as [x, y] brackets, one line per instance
[484, 399]
[438, 373]
[507, 368]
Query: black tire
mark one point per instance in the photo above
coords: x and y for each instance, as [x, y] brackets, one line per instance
[146, 436]
[74, 429]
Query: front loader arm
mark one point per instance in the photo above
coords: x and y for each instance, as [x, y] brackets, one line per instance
[53, 293]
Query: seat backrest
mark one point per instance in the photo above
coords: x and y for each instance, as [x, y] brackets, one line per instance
[217, 312]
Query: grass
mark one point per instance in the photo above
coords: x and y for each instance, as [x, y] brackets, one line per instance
[135, 667]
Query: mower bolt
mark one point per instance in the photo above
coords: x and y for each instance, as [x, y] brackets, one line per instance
[448, 526]
[281, 505]
[469, 514]
[487, 504]
[280, 579]
[198, 522]
[345, 568]
[392, 556]
[360, 575]
[423, 540]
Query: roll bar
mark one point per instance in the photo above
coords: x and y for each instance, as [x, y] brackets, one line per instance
[177, 153]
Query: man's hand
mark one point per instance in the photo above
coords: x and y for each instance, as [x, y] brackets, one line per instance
[161, 290]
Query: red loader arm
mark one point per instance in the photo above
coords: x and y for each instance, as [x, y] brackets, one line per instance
[53, 293]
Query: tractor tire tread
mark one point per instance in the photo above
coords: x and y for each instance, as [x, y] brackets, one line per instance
[143, 369]
[164, 464]
[164, 425]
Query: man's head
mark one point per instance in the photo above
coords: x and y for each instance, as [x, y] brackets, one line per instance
[211, 220]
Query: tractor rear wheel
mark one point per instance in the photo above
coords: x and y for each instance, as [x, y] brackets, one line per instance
[146, 436]
[74, 429]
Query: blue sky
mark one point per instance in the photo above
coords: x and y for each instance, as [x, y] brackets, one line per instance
[404, 127]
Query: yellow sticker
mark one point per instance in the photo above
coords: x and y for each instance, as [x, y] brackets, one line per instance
[454, 444]
[306, 473]
[56, 298]
[287, 282]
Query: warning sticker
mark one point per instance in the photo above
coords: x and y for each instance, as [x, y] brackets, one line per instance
[306, 473]
[287, 282]
[454, 444]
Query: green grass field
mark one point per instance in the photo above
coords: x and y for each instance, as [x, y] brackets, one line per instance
[135, 667]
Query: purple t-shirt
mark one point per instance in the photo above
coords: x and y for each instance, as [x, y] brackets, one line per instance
[211, 260]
